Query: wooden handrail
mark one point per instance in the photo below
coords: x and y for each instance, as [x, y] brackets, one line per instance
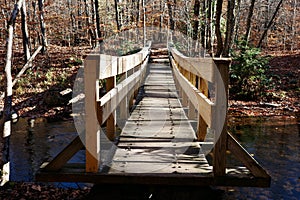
[110, 101]
[101, 67]
[116, 65]
[192, 65]
[193, 75]
[201, 103]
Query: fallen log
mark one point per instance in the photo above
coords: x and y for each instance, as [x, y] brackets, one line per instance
[27, 65]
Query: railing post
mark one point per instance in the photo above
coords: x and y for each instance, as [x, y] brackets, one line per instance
[192, 110]
[219, 160]
[124, 112]
[110, 122]
[92, 138]
[202, 126]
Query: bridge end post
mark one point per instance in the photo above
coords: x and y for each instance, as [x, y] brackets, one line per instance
[92, 137]
[219, 160]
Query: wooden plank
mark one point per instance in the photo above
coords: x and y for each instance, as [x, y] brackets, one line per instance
[191, 111]
[112, 65]
[112, 99]
[108, 66]
[205, 70]
[124, 110]
[69, 174]
[65, 155]
[242, 155]
[185, 99]
[222, 82]
[92, 138]
[203, 105]
[202, 125]
[110, 122]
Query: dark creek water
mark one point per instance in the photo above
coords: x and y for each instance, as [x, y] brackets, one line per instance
[274, 142]
[30, 147]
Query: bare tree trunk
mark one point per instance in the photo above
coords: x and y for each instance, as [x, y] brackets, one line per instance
[196, 19]
[43, 25]
[209, 26]
[138, 12]
[144, 23]
[98, 21]
[117, 15]
[293, 26]
[35, 40]
[161, 7]
[95, 32]
[237, 21]
[91, 31]
[25, 32]
[203, 26]
[218, 28]
[171, 20]
[5, 121]
[229, 27]
[269, 25]
[249, 19]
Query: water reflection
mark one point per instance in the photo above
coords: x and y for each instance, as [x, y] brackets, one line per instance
[275, 143]
[31, 146]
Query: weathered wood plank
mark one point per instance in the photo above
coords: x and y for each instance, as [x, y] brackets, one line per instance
[111, 122]
[204, 70]
[245, 157]
[92, 139]
[69, 174]
[203, 105]
[111, 100]
[222, 82]
[112, 65]
[65, 155]
[202, 125]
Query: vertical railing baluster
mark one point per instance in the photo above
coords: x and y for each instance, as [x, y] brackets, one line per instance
[202, 125]
[110, 122]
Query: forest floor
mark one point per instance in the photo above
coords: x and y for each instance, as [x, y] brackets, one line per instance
[38, 94]
[284, 99]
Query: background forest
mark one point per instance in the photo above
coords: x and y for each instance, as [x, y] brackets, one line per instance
[61, 33]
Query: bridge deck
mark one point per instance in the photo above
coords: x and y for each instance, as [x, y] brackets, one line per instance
[158, 138]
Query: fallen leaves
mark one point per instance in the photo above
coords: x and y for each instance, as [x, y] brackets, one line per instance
[18, 191]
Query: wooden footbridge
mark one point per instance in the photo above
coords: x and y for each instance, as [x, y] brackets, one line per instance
[163, 123]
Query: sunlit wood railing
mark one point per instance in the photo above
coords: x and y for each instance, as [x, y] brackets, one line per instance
[193, 78]
[131, 70]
